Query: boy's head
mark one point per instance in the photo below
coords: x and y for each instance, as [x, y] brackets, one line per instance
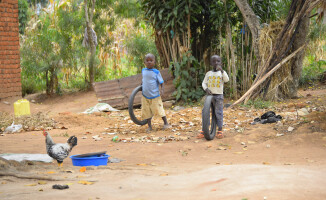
[216, 62]
[149, 61]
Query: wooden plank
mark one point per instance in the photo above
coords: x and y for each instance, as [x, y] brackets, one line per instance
[109, 86]
[117, 92]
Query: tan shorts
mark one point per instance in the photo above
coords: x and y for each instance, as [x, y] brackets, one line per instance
[151, 107]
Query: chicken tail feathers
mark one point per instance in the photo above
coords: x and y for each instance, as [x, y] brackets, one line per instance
[72, 141]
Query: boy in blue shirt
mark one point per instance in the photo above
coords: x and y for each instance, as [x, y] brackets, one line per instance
[151, 100]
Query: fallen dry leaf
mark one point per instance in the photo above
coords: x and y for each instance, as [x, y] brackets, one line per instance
[266, 163]
[33, 184]
[3, 182]
[164, 174]
[288, 163]
[142, 164]
[50, 172]
[42, 182]
[82, 169]
[221, 148]
[41, 190]
[85, 182]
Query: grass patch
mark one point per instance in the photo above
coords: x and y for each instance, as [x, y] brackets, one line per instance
[258, 104]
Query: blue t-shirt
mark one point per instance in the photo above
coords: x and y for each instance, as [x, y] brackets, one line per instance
[152, 78]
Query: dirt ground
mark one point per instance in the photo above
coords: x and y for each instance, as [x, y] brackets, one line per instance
[262, 161]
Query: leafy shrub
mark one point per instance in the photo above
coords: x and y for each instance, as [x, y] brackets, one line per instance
[138, 45]
[312, 72]
[189, 74]
[31, 86]
[23, 15]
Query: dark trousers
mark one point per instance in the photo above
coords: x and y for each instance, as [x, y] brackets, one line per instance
[218, 104]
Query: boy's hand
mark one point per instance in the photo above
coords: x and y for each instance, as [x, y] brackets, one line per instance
[162, 90]
[219, 68]
[208, 91]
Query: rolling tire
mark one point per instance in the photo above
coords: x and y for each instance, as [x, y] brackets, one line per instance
[131, 107]
[209, 118]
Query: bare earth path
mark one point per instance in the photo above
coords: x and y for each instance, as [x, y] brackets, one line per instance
[251, 162]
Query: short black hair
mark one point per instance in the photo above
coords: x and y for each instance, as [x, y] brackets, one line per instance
[215, 55]
[150, 55]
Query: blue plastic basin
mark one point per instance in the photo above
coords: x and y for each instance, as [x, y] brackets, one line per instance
[90, 160]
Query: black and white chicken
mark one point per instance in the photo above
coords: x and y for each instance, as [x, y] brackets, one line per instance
[59, 151]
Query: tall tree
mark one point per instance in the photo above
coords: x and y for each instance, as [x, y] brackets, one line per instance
[89, 12]
[251, 19]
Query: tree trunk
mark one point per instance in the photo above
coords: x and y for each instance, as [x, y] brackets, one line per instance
[297, 61]
[251, 19]
[89, 20]
[47, 82]
[234, 71]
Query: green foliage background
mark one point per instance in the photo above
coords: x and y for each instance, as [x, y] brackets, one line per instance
[52, 51]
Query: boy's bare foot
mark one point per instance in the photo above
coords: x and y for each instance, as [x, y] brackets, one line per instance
[166, 126]
[149, 130]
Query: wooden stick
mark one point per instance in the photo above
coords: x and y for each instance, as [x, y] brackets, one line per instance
[30, 176]
[252, 88]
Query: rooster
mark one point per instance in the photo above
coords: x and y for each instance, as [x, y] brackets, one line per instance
[59, 151]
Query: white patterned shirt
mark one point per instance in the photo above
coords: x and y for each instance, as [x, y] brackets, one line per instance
[214, 81]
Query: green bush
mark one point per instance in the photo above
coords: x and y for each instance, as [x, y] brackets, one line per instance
[31, 86]
[23, 15]
[189, 74]
[138, 45]
[312, 72]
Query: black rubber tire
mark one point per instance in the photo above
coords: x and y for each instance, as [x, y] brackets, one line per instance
[131, 107]
[208, 122]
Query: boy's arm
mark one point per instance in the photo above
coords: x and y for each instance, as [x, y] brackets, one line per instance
[225, 77]
[161, 82]
[162, 89]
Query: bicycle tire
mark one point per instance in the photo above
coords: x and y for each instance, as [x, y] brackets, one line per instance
[131, 107]
[208, 122]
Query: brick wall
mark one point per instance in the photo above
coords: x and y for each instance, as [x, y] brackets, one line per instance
[10, 78]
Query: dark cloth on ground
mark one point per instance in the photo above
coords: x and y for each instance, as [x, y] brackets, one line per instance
[266, 118]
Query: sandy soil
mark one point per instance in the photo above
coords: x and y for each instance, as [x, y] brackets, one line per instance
[263, 161]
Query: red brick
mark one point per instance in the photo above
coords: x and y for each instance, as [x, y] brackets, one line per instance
[19, 84]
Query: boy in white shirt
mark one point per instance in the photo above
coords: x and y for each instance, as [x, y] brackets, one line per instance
[213, 85]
